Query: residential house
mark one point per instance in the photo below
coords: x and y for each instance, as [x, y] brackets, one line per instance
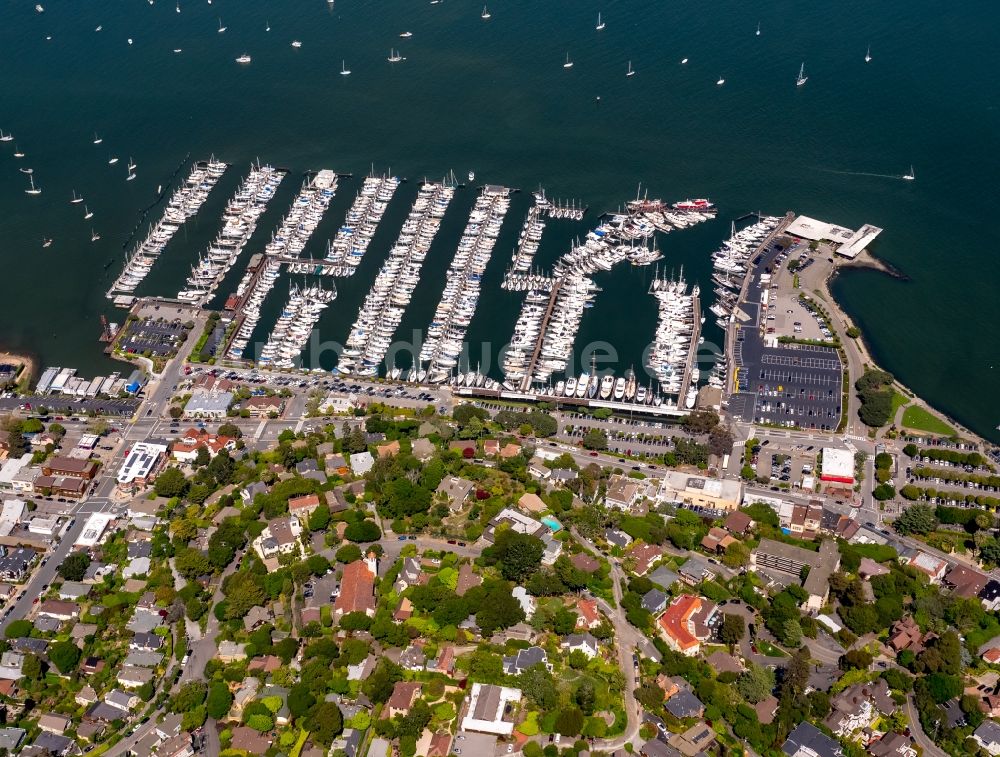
[663, 577]
[413, 658]
[455, 490]
[146, 642]
[281, 537]
[524, 659]
[230, 651]
[132, 677]
[527, 601]
[434, 744]
[357, 589]
[404, 694]
[252, 490]
[684, 704]
[487, 711]
[467, 578]
[654, 601]
[388, 449]
[54, 744]
[589, 617]
[857, 706]
[586, 563]
[244, 695]
[14, 565]
[987, 735]
[54, 723]
[551, 549]
[623, 493]
[687, 622]
[59, 610]
[411, 573]
[123, 700]
[724, 663]
[892, 745]
[965, 582]
[361, 463]
[933, 567]
[906, 634]
[717, 540]
[562, 476]
[738, 523]
[869, 569]
[532, 503]
[617, 538]
[806, 740]
[176, 746]
[644, 555]
[989, 597]
[422, 449]
[696, 740]
[581, 642]
[248, 740]
[10, 738]
[516, 521]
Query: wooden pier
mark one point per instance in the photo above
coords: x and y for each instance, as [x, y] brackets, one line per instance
[530, 370]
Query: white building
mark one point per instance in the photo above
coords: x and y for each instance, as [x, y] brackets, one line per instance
[487, 705]
[10, 469]
[141, 464]
[838, 466]
[10, 516]
[526, 600]
[93, 529]
[44, 526]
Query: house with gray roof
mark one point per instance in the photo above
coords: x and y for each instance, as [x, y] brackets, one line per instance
[806, 740]
[654, 601]
[524, 659]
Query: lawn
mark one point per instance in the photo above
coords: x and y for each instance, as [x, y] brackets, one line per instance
[898, 400]
[918, 419]
[768, 649]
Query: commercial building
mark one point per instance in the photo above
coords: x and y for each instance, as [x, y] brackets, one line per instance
[787, 558]
[701, 492]
[838, 466]
[10, 516]
[208, 404]
[140, 466]
[93, 529]
[69, 467]
[488, 709]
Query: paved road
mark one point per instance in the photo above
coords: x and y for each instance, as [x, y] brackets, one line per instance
[42, 576]
[930, 749]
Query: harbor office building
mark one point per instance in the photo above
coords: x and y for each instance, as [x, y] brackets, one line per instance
[700, 492]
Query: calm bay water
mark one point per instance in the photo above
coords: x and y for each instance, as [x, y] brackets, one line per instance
[494, 97]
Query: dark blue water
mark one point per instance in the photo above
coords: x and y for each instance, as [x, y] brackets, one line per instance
[493, 96]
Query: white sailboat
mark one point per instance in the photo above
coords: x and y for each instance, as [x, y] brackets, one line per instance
[87, 213]
[344, 71]
[868, 54]
[177, 50]
[406, 35]
[18, 153]
[684, 61]
[112, 160]
[221, 27]
[6, 137]
[131, 166]
[720, 82]
[130, 177]
[267, 26]
[758, 29]
[485, 15]
[600, 23]
[630, 72]
[568, 63]
[34, 190]
[178, 8]
[97, 139]
[94, 236]
[909, 176]
[394, 57]
[801, 78]
[76, 200]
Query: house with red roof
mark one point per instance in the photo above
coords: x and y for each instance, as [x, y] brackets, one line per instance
[687, 622]
[357, 589]
[185, 449]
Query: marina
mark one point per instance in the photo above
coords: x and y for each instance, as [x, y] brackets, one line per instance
[671, 356]
[291, 331]
[345, 251]
[182, 205]
[240, 220]
[383, 307]
[446, 332]
[304, 216]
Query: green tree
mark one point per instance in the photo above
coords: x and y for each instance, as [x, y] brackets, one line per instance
[31, 668]
[364, 531]
[170, 483]
[74, 567]
[569, 721]
[300, 700]
[189, 696]
[732, 629]
[191, 563]
[219, 700]
[325, 722]
[64, 655]
[755, 684]
[916, 519]
[349, 553]
[518, 555]
[319, 518]
[595, 439]
[18, 628]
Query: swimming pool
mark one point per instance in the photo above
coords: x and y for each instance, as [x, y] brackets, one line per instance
[552, 523]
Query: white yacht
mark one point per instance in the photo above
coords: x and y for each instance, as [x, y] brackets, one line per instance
[600, 23]
[6, 137]
[485, 15]
[909, 176]
[244, 59]
[296, 44]
[406, 35]
[394, 57]
[720, 82]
